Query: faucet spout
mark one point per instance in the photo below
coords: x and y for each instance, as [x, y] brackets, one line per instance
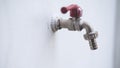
[90, 35]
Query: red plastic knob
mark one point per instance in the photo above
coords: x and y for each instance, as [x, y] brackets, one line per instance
[75, 10]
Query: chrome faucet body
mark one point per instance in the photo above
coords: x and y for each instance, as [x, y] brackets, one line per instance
[74, 24]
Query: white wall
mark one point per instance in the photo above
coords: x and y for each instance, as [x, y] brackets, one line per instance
[26, 40]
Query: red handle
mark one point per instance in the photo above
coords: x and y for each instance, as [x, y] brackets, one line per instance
[75, 10]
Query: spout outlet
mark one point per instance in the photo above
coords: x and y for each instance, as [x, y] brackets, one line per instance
[90, 36]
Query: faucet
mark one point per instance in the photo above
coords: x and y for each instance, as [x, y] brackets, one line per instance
[75, 24]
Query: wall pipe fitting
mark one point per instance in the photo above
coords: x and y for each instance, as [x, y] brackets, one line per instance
[75, 24]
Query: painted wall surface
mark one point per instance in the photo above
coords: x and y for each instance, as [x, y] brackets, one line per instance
[26, 40]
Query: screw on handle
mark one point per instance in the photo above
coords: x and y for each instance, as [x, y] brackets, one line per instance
[75, 10]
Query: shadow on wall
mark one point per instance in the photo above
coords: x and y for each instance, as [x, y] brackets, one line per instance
[117, 37]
